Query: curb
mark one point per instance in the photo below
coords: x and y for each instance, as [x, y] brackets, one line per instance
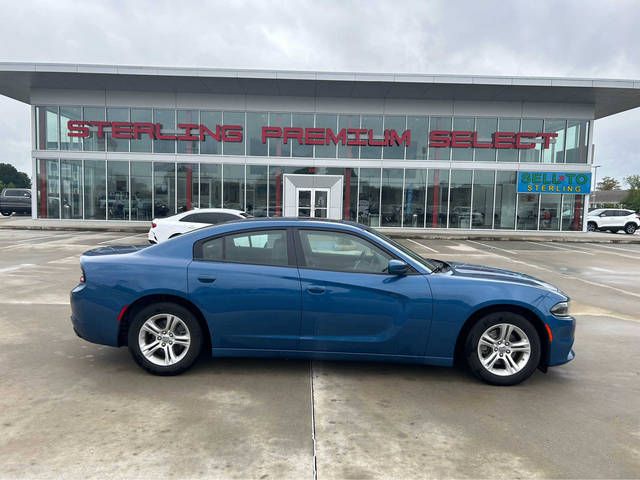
[76, 229]
[584, 238]
[513, 238]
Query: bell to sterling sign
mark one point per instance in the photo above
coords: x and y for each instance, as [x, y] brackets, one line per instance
[554, 182]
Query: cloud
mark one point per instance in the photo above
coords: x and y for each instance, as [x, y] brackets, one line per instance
[548, 38]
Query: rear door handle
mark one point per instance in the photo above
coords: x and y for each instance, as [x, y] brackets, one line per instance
[206, 279]
[316, 290]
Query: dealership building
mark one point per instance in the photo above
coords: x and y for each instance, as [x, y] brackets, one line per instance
[121, 143]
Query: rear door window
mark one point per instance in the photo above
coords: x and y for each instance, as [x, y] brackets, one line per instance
[228, 217]
[201, 218]
[260, 247]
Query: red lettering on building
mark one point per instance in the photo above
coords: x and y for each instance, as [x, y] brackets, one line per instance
[77, 128]
[501, 140]
[194, 132]
[122, 130]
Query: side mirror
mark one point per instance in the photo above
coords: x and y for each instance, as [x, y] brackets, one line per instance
[397, 267]
[603, 214]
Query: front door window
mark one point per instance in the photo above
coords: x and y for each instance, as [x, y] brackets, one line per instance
[312, 202]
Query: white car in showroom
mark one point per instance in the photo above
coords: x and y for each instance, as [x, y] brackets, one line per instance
[163, 229]
[613, 219]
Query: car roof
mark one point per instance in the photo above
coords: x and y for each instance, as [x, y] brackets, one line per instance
[201, 210]
[297, 221]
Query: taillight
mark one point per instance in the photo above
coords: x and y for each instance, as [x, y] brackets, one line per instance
[153, 225]
[82, 279]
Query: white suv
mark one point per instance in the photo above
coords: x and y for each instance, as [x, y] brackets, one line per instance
[613, 219]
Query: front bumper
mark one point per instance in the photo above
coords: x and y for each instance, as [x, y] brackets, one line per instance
[561, 347]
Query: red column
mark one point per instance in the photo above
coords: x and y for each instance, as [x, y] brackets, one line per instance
[279, 193]
[436, 198]
[347, 194]
[189, 187]
[577, 213]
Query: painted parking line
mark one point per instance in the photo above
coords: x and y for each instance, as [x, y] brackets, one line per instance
[565, 249]
[491, 246]
[614, 248]
[538, 267]
[421, 245]
[138, 235]
[13, 268]
[36, 239]
[461, 247]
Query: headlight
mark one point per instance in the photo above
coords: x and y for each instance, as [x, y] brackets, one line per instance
[560, 309]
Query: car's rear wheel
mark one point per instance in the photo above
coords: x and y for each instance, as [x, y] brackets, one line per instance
[165, 338]
[591, 227]
[630, 228]
[503, 348]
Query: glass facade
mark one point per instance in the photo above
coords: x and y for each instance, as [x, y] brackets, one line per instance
[378, 197]
[398, 185]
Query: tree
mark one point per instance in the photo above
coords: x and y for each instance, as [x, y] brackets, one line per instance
[608, 183]
[632, 199]
[11, 177]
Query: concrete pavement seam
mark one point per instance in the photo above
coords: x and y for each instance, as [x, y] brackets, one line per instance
[313, 422]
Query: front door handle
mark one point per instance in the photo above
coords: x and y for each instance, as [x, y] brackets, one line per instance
[316, 290]
[206, 279]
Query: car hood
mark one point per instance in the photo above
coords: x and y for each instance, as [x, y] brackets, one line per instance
[114, 250]
[498, 274]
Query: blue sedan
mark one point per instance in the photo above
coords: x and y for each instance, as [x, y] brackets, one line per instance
[316, 289]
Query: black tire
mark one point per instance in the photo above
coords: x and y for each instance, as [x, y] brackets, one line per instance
[630, 228]
[194, 332]
[591, 227]
[483, 325]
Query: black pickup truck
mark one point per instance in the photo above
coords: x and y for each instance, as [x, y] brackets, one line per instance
[16, 200]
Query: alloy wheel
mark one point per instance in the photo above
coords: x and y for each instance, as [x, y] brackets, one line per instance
[164, 339]
[504, 349]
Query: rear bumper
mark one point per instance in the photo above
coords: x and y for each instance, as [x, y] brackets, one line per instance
[93, 321]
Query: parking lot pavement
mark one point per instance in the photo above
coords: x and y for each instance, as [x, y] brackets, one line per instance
[72, 409]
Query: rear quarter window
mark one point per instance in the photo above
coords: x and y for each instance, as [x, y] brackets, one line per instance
[11, 192]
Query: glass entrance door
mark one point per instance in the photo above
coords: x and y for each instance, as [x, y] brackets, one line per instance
[304, 203]
[312, 202]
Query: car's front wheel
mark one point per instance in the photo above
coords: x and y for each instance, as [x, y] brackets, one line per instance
[165, 338]
[591, 227]
[503, 348]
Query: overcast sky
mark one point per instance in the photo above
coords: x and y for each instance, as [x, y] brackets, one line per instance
[583, 38]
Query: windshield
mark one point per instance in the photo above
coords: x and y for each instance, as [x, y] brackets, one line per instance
[429, 264]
